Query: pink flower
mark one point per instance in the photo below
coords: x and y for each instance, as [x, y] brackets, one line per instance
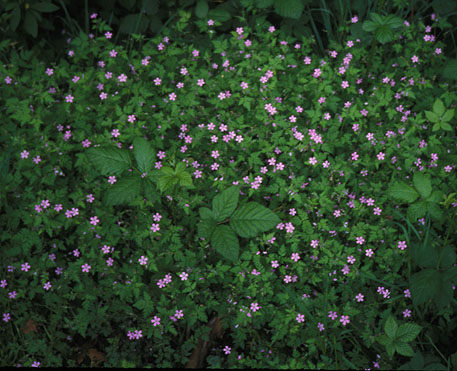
[184, 276]
[155, 321]
[25, 267]
[108, 35]
[406, 313]
[227, 349]
[69, 98]
[155, 227]
[295, 257]
[344, 320]
[355, 156]
[143, 260]
[255, 307]
[402, 245]
[359, 297]
[86, 268]
[122, 78]
[112, 179]
[94, 220]
[132, 118]
[300, 318]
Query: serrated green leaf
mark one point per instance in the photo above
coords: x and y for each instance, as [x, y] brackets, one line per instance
[369, 26]
[446, 126]
[404, 349]
[383, 339]
[393, 21]
[144, 155]
[450, 69]
[150, 190]
[436, 127]
[166, 182]
[424, 285]
[390, 327]
[424, 255]
[416, 210]
[125, 190]
[225, 203]
[219, 15]
[432, 117]
[206, 214]
[448, 115]
[407, 332]
[31, 24]
[423, 184]
[438, 107]
[185, 179]
[384, 34]
[390, 348]
[206, 228]
[403, 192]
[289, 8]
[262, 4]
[201, 9]
[225, 242]
[251, 219]
[109, 161]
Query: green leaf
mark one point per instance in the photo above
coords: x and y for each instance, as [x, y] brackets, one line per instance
[252, 218]
[438, 107]
[416, 210]
[403, 192]
[44, 7]
[219, 15]
[407, 332]
[225, 242]
[446, 126]
[15, 17]
[390, 327]
[430, 284]
[262, 4]
[432, 117]
[185, 179]
[166, 181]
[206, 228]
[150, 190]
[448, 115]
[404, 349]
[384, 34]
[383, 339]
[390, 348]
[31, 24]
[127, 189]
[450, 70]
[144, 155]
[289, 8]
[369, 26]
[423, 184]
[133, 23]
[109, 161]
[393, 21]
[424, 255]
[225, 203]
[201, 9]
[436, 127]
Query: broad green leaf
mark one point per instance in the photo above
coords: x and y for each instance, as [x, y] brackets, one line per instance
[390, 327]
[289, 8]
[404, 349]
[424, 285]
[144, 155]
[383, 339]
[393, 21]
[225, 242]
[31, 24]
[384, 34]
[423, 184]
[166, 182]
[125, 190]
[416, 210]
[206, 228]
[206, 214]
[446, 126]
[450, 69]
[44, 7]
[432, 117]
[150, 190]
[15, 17]
[109, 161]
[448, 115]
[224, 204]
[201, 9]
[403, 192]
[423, 255]
[219, 15]
[185, 179]
[438, 107]
[407, 332]
[251, 219]
[390, 348]
[369, 26]
[262, 4]
[436, 127]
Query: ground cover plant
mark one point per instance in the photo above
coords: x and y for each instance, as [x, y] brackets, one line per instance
[278, 209]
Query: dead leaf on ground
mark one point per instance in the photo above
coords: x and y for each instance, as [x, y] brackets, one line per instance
[30, 326]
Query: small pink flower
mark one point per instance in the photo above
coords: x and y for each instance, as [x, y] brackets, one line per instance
[112, 179]
[300, 318]
[94, 220]
[86, 268]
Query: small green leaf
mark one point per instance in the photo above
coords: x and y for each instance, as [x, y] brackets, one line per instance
[432, 117]
[390, 348]
[404, 349]
[448, 115]
[201, 9]
[436, 127]
[423, 184]
[403, 192]
[390, 327]
[416, 210]
[383, 339]
[31, 24]
[224, 204]
[407, 332]
[225, 242]
[446, 126]
[44, 7]
[438, 107]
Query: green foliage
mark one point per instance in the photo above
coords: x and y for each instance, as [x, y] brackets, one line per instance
[384, 28]
[396, 337]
